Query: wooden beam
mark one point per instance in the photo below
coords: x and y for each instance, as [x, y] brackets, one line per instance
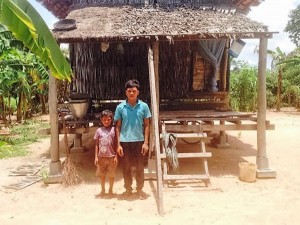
[155, 115]
[186, 177]
[215, 127]
[165, 38]
[193, 135]
[190, 155]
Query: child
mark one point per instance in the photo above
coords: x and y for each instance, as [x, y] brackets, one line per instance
[106, 158]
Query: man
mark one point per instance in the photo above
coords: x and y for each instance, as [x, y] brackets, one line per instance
[132, 118]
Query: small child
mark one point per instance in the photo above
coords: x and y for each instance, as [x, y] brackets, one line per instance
[106, 158]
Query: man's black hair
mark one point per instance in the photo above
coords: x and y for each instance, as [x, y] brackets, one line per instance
[132, 83]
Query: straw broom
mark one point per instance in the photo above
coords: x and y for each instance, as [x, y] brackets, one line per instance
[70, 174]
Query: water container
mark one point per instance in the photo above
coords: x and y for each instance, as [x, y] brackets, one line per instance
[247, 171]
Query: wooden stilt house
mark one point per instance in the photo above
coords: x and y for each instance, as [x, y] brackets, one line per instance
[178, 50]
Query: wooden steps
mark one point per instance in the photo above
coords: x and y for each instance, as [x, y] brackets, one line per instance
[203, 176]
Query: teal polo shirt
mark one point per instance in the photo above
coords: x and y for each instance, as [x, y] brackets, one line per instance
[132, 118]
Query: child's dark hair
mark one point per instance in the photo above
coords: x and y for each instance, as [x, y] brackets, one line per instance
[107, 112]
[132, 83]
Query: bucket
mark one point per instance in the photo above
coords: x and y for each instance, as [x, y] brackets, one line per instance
[247, 172]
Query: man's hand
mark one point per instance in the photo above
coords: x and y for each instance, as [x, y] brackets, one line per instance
[96, 161]
[120, 151]
[145, 149]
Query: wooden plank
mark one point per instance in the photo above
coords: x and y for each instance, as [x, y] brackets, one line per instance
[237, 122]
[190, 155]
[186, 177]
[208, 119]
[203, 114]
[216, 127]
[155, 121]
[185, 135]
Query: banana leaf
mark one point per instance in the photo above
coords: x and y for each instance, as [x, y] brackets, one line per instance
[27, 25]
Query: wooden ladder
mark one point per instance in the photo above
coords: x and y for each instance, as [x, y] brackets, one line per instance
[204, 177]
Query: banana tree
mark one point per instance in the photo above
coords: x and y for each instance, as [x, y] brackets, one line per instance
[292, 65]
[20, 17]
[278, 56]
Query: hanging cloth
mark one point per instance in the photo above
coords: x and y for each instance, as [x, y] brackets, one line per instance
[212, 51]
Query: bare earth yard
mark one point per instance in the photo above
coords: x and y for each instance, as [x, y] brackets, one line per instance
[226, 201]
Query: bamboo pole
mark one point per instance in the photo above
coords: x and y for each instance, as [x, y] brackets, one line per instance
[154, 109]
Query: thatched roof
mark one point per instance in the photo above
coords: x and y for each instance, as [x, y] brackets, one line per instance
[129, 23]
[61, 8]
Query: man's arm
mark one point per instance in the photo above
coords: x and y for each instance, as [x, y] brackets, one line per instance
[145, 147]
[118, 132]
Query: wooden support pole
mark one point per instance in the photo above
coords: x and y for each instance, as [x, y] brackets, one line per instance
[55, 164]
[262, 161]
[224, 70]
[155, 116]
[156, 69]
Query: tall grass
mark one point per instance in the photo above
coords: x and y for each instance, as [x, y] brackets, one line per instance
[243, 93]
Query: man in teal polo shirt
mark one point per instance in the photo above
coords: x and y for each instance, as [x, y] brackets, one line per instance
[132, 118]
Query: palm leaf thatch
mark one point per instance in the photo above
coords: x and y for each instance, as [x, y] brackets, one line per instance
[129, 23]
[61, 8]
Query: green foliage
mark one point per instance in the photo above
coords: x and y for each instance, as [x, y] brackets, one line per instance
[243, 91]
[293, 26]
[5, 149]
[20, 17]
[243, 83]
[21, 135]
[22, 76]
[12, 104]
[271, 86]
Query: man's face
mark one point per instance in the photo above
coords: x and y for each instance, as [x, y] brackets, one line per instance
[132, 93]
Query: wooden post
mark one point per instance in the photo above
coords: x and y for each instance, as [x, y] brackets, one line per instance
[156, 69]
[55, 164]
[155, 115]
[262, 161]
[224, 70]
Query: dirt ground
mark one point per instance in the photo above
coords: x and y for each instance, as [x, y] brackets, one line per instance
[226, 201]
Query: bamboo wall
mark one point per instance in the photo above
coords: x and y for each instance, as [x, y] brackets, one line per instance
[102, 75]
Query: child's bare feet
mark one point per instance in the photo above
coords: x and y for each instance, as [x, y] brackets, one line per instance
[100, 195]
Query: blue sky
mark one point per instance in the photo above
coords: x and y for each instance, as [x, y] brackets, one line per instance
[273, 13]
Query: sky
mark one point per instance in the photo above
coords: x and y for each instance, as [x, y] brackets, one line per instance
[273, 13]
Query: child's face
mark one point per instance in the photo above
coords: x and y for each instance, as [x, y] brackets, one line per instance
[106, 121]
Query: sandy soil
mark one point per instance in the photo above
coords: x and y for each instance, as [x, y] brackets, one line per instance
[226, 201]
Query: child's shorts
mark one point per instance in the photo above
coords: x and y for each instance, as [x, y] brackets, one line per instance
[106, 166]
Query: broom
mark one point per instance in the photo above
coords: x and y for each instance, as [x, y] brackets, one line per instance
[70, 174]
